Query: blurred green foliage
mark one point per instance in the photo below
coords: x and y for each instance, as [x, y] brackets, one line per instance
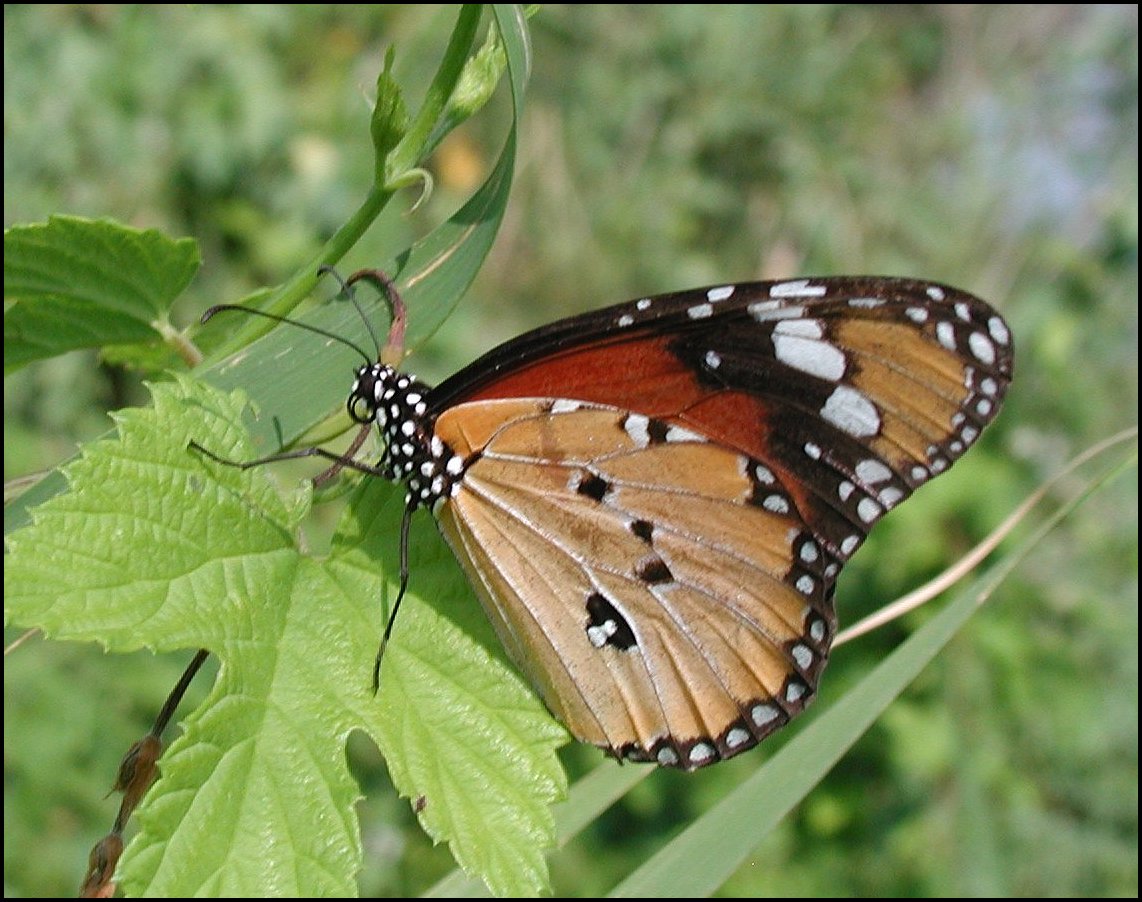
[994, 148]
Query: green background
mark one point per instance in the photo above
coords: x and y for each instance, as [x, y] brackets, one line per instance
[666, 147]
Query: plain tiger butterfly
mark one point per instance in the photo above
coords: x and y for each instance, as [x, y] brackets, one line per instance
[653, 500]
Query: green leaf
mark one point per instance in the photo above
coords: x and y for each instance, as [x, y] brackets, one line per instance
[155, 546]
[586, 802]
[79, 283]
[469, 735]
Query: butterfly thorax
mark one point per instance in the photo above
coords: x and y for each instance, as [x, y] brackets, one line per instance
[413, 453]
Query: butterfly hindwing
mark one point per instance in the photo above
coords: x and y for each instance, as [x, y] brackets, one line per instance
[643, 578]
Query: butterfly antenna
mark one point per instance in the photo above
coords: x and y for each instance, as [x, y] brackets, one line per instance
[221, 308]
[347, 289]
[404, 528]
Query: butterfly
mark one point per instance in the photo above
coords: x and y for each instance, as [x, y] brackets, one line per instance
[653, 500]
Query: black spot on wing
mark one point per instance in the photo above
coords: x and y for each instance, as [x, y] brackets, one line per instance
[606, 626]
[593, 487]
[644, 529]
[652, 569]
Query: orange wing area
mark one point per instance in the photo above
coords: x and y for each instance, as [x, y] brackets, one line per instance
[666, 604]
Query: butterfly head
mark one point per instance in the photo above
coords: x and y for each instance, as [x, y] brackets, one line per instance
[370, 383]
[397, 402]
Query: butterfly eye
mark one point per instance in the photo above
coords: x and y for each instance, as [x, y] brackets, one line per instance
[363, 402]
[360, 407]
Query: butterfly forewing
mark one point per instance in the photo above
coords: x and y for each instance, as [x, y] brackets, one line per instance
[654, 500]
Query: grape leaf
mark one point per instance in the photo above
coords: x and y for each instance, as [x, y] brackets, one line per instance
[155, 546]
[75, 283]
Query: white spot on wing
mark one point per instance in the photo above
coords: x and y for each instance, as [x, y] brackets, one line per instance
[801, 350]
[982, 347]
[643, 304]
[917, 314]
[719, 294]
[626, 320]
[872, 471]
[935, 293]
[890, 496]
[601, 633]
[946, 335]
[799, 288]
[678, 434]
[700, 311]
[868, 510]
[638, 428]
[564, 405]
[851, 412]
[776, 504]
[737, 737]
[763, 311]
[701, 753]
[998, 330]
[802, 328]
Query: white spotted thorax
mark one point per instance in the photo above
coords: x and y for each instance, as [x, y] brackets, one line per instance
[419, 459]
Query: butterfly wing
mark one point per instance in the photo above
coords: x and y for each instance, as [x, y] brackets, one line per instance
[657, 497]
[638, 575]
